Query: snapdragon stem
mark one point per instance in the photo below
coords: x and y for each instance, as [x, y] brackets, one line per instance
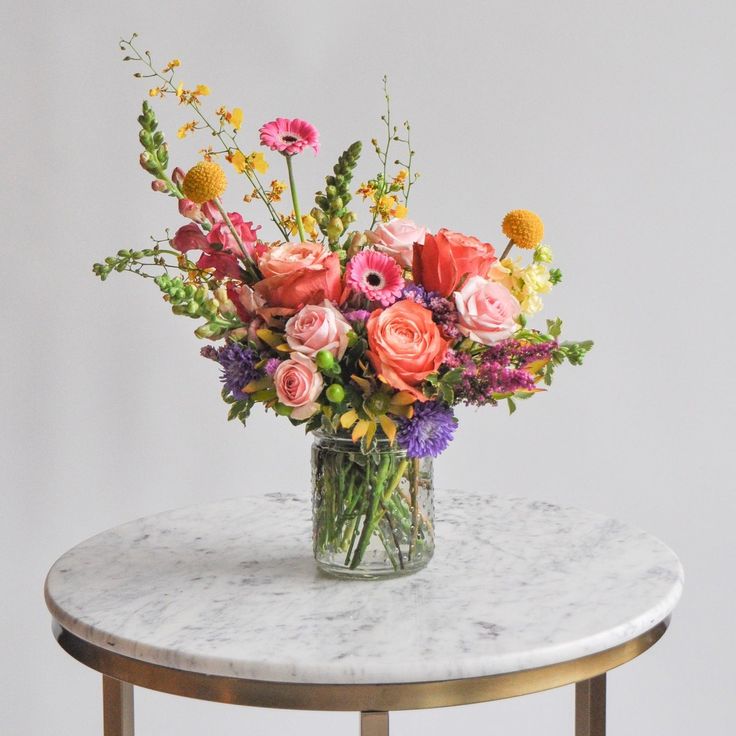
[295, 200]
[507, 250]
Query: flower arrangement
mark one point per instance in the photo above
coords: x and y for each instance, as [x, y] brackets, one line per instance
[371, 333]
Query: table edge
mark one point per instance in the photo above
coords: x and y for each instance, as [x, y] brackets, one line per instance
[352, 697]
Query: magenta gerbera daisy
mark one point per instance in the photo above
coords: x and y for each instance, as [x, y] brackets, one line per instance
[376, 275]
[289, 136]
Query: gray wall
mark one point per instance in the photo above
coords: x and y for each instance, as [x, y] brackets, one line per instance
[612, 120]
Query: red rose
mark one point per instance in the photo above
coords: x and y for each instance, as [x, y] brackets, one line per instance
[447, 257]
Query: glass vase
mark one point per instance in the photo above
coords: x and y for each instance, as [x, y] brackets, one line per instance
[372, 513]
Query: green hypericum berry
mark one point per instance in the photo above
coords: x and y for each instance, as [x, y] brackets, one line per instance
[325, 360]
[335, 393]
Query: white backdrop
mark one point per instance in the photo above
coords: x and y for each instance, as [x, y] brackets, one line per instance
[614, 121]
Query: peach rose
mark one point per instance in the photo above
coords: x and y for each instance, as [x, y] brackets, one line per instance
[318, 327]
[445, 258]
[487, 309]
[298, 384]
[297, 274]
[396, 238]
[405, 345]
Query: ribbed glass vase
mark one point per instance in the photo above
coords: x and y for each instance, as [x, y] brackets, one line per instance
[373, 514]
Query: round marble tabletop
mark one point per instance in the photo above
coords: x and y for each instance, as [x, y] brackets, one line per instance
[231, 589]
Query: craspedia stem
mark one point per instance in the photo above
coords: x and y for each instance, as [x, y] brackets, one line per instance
[507, 250]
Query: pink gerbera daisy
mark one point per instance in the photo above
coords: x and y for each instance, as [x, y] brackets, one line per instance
[376, 275]
[289, 136]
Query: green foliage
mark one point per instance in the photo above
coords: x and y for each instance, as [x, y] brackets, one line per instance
[555, 276]
[332, 213]
[239, 408]
[572, 352]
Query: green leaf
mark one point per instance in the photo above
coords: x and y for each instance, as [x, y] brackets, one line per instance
[511, 404]
[554, 327]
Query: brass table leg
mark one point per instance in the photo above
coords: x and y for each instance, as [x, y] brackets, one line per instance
[374, 723]
[117, 707]
[590, 707]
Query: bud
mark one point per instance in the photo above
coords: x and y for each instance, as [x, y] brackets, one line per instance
[331, 192]
[543, 254]
[356, 243]
[335, 229]
[159, 186]
[177, 176]
[335, 393]
[325, 360]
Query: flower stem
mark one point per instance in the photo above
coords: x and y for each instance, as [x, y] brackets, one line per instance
[295, 200]
[232, 229]
[414, 507]
[507, 250]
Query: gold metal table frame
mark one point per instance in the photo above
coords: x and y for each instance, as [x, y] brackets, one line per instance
[373, 701]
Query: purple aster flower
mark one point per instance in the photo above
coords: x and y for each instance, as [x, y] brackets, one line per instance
[238, 368]
[357, 315]
[429, 431]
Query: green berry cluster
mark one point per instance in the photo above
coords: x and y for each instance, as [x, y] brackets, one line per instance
[332, 213]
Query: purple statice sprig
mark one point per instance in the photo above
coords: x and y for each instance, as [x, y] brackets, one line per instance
[444, 314]
[429, 431]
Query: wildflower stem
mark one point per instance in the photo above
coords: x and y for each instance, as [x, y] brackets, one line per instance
[295, 201]
[507, 250]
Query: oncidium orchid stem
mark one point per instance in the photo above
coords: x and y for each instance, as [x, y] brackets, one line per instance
[507, 250]
[232, 229]
[295, 201]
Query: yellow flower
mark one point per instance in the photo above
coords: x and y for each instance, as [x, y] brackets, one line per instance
[250, 162]
[187, 128]
[536, 278]
[524, 228]
[155, 92]
[377, 408]
[400, 178]
[235, 118]
[180, 91]
[531, 304]
[201, 89]
[258, 161]
[310, 226]
[543, 254]
[204, 181]
[367, 191]
[277, 189]
[399, 211]
[171, 65]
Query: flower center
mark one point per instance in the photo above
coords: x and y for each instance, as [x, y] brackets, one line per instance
[374, 279]
[289, 138]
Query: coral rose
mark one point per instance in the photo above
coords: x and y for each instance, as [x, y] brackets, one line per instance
[299, 273]
[405, 345]
[487, 310]
[298, 384]
[396, 238]
[318, 327]
[447, 257]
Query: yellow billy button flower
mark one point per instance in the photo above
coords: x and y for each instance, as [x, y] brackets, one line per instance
[204, 181]
[523, 228]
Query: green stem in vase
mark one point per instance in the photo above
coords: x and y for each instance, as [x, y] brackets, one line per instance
[414, 507]
[395, 536]
[371, 517]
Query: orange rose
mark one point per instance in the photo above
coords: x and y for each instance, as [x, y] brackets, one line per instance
[298, 274]
[446, 257]
[405, 345]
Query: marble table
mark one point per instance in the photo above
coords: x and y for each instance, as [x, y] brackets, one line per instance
[223, 602]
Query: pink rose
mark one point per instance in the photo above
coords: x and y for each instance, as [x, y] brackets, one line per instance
[487, 311]
[222, 235]
[396, 239]
[318, 327]
[297, 274]
[298, 384]
[290, 257]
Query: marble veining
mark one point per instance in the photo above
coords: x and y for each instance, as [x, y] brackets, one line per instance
[230, 588]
